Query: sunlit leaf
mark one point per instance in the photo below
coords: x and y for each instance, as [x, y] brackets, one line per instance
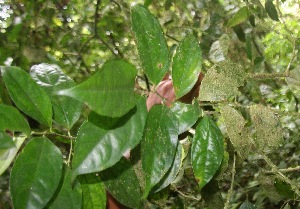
[151, 43]
[99, 148]
[186, 66]
[239, 17]
[8, 155]
[70, 194]
[159, 145]
[219, 49]
[36, 174]
[66, 110]
[28, 95]
[93, 192]
[110, 91]
[187, 114]
[207, 151]
[121, 182]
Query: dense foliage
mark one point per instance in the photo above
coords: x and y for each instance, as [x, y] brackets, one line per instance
[74, 82]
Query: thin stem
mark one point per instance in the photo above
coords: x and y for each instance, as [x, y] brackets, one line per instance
[229, 194]
[285, 170]
[71, 149]
[280, 175]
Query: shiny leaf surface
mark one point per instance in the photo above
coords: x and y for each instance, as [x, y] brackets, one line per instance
[159, 145]
[187, 115]
[122, 183]
[110, 91]
[186, 66]
[6, 142]
[66, 110]
[207, 150]
[98, 148]
[70, 194]
[36, 174]
[151, 43]
[28, 95]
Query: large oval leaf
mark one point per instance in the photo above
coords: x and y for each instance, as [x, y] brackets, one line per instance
[271, 10]
[187, 115]
[121, 181]
[186, 65]
[151, 43]
[70, 194]
[36, 174]
[110, 91]
[159, 145]
[11, 119]
[207, 151]
[66, 110]
[8, 155]
[93, 192]
[99, 148]
[28, 95]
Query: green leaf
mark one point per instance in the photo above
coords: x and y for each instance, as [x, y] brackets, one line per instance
[151, 43]
[207, 151]
[247, 205]
[70, 194]
[98, 148]
[221, 82]
[93, 192]
[122, 183]
[28, 95]
[187, 114]
[212, 196]
[5, 141]
[186, 65]
[11, 119]
[66, 110]
[271, 10]
[172, 172]
[285, 190]
[159, 145]
[8, 155]
[36, 174]
[107, 89]
[249, 46]
[239, 17]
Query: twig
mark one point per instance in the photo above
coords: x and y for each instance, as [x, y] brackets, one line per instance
[230, 191]
[186, 196]
[285, 170]
[71, 149]
[264, 76]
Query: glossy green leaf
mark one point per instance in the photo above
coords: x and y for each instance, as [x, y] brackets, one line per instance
[271, 10]
[66, 110]
[70, 194]
[187, 114]
[36, 174]
[151, 43]
[285, 190]
[239, 17]
[172, 172]
[122, 183]
[8, 155]
[6, 142]
[110, 91]
[12, 120]
[159, 145]
[207, 150]
[186, 67]
[28, 95]
[93, 192]
[247, 205]
[98, 148]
